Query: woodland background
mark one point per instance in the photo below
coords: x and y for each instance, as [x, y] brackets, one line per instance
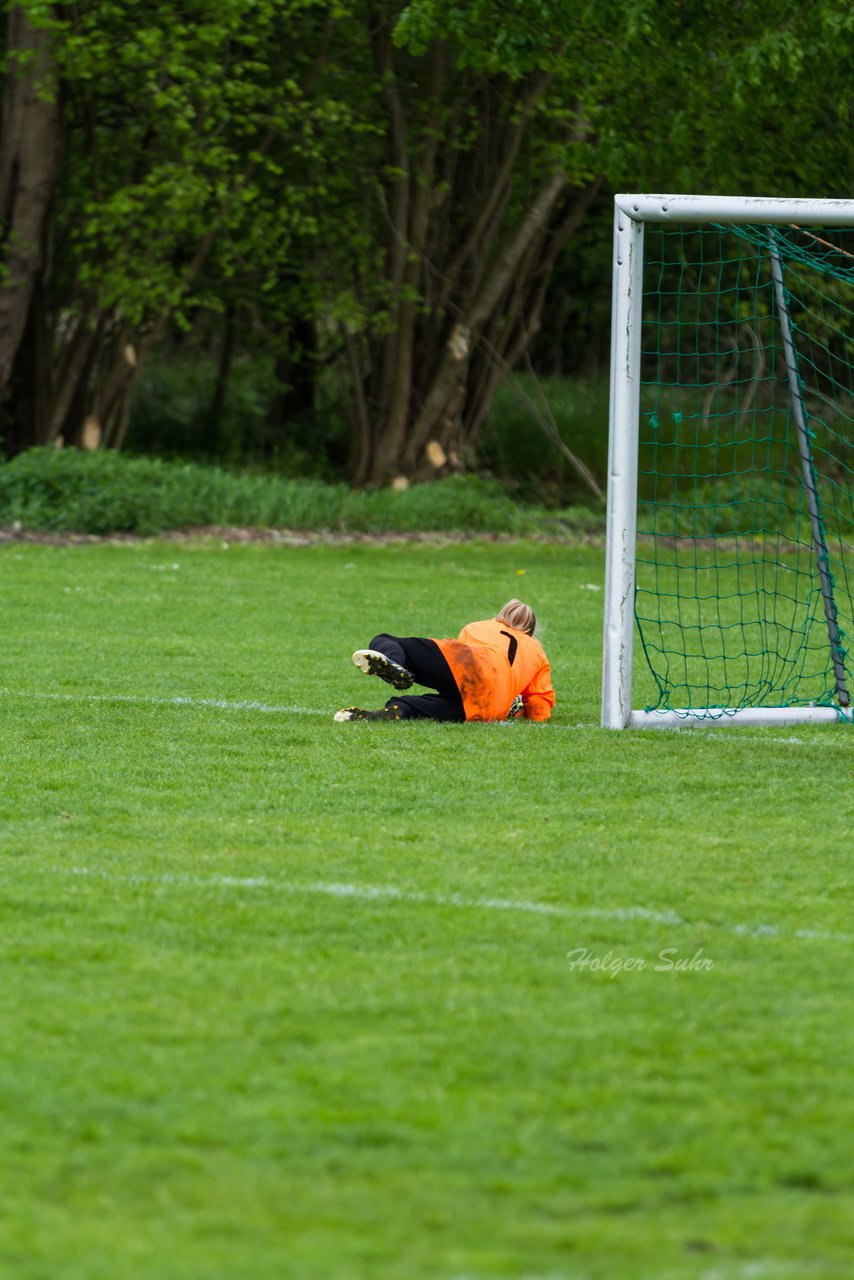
[350, 240]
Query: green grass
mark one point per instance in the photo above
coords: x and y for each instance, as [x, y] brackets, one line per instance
[285, 998]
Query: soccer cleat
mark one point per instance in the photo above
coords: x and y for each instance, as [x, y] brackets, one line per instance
[377, 664]
[359, 713]
[517, 708]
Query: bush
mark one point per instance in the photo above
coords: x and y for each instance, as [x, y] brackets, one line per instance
[459, 503]
[108, 492]
[63, 490]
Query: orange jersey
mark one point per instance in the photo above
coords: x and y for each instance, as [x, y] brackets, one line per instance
[493, 663]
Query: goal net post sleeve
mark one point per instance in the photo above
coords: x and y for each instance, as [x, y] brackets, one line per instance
[626, 319]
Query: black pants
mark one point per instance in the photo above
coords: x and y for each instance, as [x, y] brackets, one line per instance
[426, 662]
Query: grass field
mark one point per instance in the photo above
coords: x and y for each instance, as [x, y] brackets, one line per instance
[289, 999]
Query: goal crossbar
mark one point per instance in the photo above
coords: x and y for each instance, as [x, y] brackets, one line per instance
[736, 209]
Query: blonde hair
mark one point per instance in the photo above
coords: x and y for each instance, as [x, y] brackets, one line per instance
[518, 615]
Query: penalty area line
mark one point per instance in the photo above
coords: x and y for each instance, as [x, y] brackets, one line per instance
[393, 893]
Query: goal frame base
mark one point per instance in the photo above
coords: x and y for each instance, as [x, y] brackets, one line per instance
[715, 717]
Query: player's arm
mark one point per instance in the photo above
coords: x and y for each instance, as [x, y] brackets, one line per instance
[539, 697]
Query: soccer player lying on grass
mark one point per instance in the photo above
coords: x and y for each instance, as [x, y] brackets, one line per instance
[494, 669]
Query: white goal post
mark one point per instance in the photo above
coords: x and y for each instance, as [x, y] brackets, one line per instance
[632, 214]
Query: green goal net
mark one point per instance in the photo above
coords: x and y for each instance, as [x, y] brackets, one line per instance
[745, 513]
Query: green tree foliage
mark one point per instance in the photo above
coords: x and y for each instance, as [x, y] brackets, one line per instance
[192, 160]
[383, 193]
[501, 124]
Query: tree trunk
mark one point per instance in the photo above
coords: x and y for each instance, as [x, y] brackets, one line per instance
[72, 374]
[447, 391]
[111, 392]
[29, 159]
[216, 409]
[396, 211]
[28, 394]
[409, 217]
[522, 315]
[361, 451]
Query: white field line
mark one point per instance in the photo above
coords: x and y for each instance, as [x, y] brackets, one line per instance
[392, 893]
[220, 704]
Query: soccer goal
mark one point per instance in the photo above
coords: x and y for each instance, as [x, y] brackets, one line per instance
[730, 535]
